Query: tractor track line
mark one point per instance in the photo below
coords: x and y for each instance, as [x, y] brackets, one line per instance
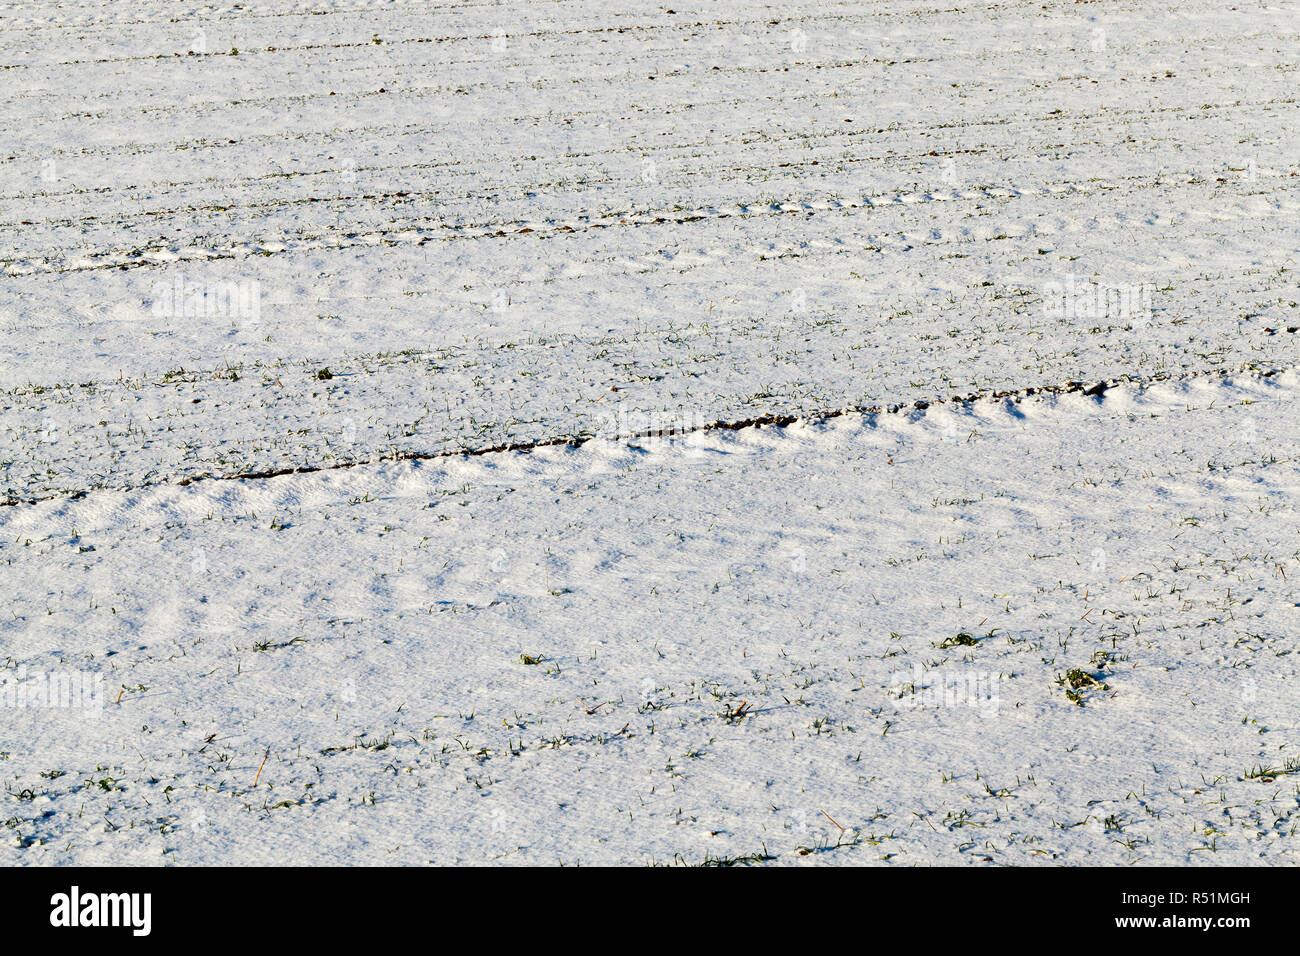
[776, 419]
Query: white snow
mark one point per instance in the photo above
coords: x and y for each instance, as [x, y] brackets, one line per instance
[240, 240]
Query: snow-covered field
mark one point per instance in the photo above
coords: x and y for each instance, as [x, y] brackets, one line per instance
[819, 543]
